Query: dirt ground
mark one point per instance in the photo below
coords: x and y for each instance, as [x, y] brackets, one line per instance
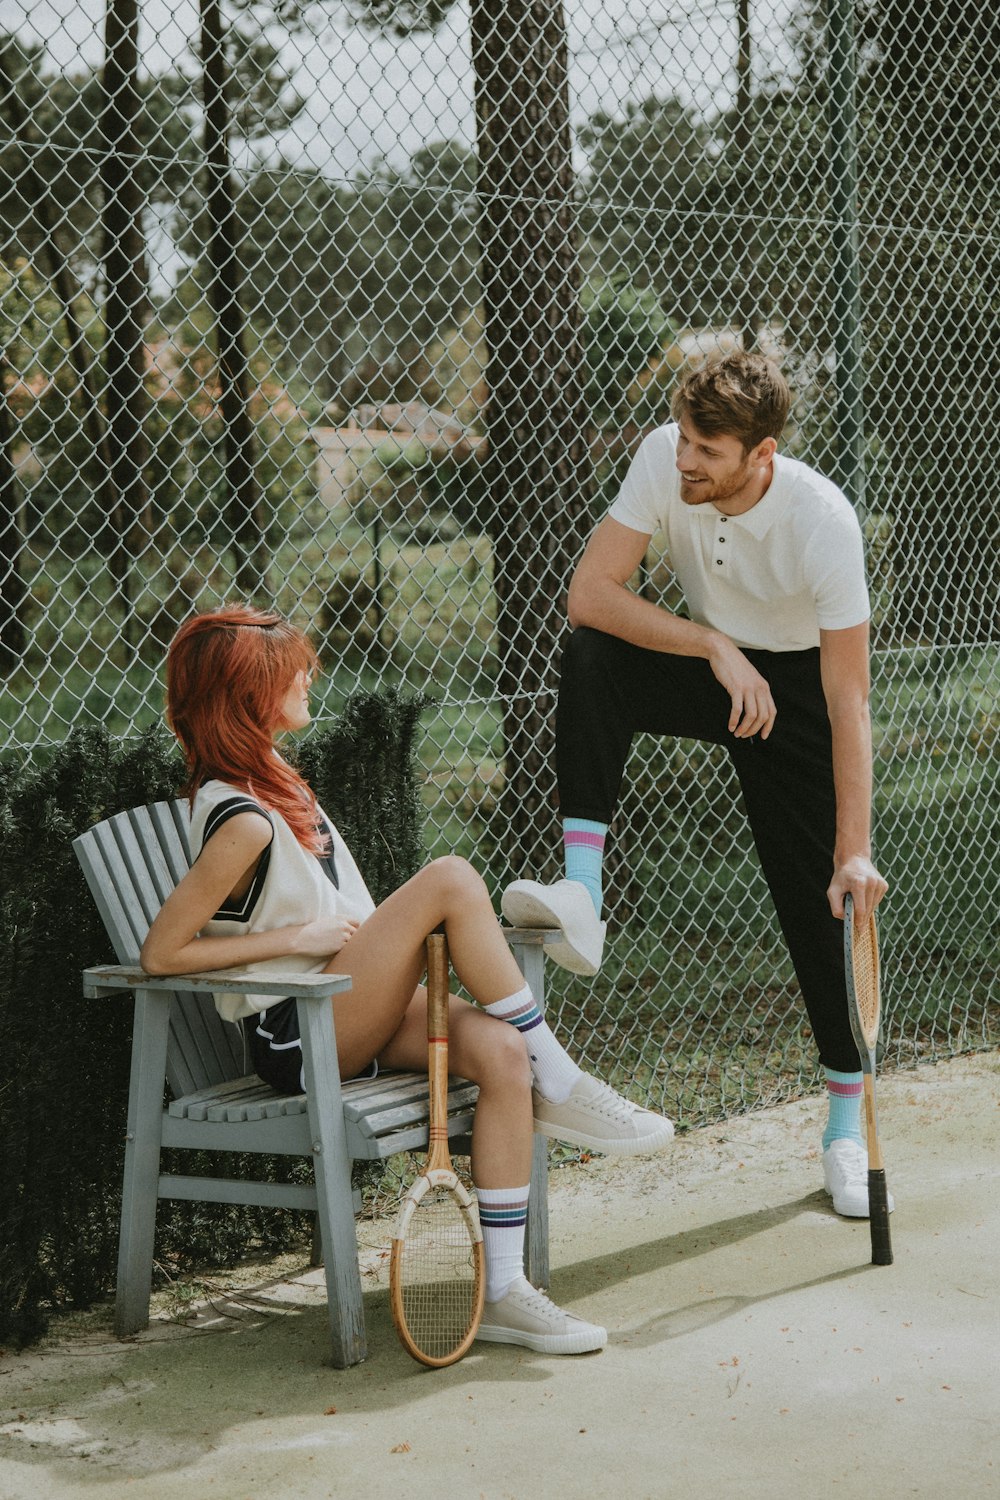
[752, 1346]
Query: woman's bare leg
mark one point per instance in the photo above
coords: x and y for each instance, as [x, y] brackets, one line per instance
[384, 1014]
[386, 956]
[493, 1055]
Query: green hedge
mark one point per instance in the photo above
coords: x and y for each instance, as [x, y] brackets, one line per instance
[64, 1061]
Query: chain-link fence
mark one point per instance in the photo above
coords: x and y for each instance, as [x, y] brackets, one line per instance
[360, 307]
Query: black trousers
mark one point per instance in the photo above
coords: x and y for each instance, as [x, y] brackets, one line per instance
[611, 690]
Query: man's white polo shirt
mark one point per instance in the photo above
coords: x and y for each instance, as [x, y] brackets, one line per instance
[770, 579]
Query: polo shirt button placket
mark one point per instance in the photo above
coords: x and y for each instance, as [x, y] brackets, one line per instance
[721, 540]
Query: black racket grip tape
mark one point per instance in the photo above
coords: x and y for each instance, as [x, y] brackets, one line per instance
[878, 1215]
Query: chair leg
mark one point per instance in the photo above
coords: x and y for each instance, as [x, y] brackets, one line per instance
[536, 1233]
[332, 1165]
[140, 1186]
[530, 959]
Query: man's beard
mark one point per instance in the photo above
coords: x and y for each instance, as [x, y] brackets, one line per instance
[714, 492]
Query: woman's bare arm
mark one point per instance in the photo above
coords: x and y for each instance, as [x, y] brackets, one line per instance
[172, 944]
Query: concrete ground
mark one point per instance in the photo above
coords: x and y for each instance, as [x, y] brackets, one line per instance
[752, 1347]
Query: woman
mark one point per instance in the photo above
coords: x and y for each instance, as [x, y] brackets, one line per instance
[273, 886]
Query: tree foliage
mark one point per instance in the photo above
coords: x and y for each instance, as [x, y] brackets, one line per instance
[360, 277]
[650, 204]
[626, 330]
[929, 161]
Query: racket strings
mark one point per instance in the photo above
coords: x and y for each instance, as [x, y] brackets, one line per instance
[439, 1274]
[866, 980]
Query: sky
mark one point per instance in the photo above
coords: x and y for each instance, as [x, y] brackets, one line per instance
[370, 96]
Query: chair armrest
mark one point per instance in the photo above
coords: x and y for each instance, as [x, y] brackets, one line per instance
[531, 937]
[111, 979]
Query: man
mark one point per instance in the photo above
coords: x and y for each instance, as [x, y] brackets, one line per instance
[772, 663]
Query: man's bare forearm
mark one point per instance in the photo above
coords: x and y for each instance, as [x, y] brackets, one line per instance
[852, 780]
[612, 607]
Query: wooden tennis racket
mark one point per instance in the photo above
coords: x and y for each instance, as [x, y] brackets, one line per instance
[863, 1002]
[436, 1269]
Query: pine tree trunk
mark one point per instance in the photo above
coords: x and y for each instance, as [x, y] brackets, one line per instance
[125, 297]
[538, 466]
[244, 510]
[12, 590]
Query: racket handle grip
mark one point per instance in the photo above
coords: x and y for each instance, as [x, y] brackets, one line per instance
[878, 1214]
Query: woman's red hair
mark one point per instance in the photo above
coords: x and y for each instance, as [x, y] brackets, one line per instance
[228, 672]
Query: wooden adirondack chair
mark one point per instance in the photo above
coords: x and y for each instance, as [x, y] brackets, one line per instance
[132, 862]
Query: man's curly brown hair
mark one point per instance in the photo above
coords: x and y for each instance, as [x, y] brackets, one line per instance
[742, 395]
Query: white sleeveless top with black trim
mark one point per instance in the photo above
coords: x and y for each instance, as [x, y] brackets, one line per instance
[290, 886]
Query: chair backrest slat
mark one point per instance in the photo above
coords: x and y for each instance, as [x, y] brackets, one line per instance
[171, 822]
[112, 889]
[132, 862]
[203, 1049]
[142, 859]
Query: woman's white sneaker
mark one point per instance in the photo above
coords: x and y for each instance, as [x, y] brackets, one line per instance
[596, 1117]
[526, 1316]
[845, 1172]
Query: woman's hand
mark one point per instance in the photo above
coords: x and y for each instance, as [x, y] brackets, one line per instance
[323, 938]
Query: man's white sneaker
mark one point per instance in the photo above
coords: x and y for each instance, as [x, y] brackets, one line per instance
[845, 1172]
[526, 1316]
[564, 906]
[596, 1117]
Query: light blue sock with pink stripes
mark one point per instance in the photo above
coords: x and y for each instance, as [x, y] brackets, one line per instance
[844, 1091]
[583, 847]
[553, 1070]
[503, 1213]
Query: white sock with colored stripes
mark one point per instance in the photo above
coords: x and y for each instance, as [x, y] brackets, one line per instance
[583, 851]
[503, 1213]
[552, 1068]
[844, 1091]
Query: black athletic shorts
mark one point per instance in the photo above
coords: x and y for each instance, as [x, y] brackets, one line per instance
[275, 1047]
